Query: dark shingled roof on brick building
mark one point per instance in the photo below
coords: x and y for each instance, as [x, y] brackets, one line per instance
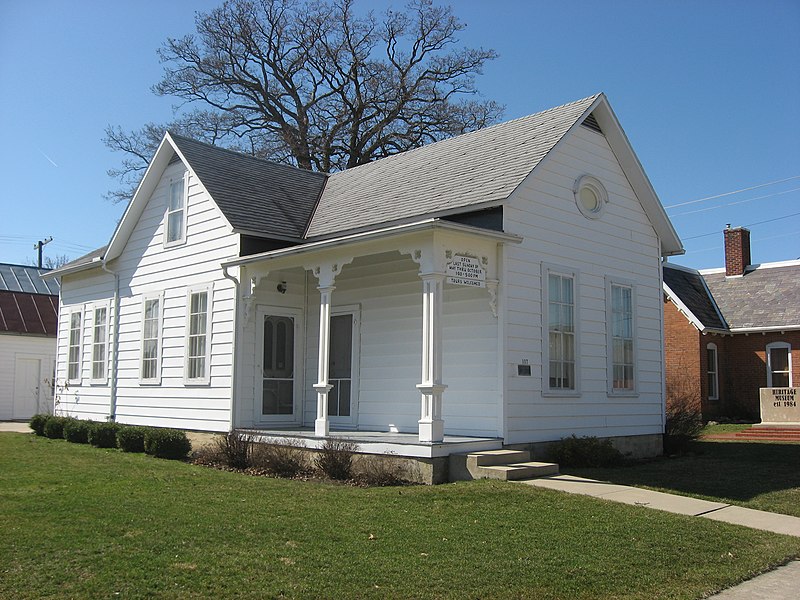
[689, 287]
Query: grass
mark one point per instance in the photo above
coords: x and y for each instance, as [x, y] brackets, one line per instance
[77, 521]
[760, 475]
[725, 428]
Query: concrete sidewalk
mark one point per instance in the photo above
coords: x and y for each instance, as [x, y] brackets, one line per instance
[14, 427]
[781, 584]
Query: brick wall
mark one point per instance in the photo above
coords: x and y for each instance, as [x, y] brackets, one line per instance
[682, 357]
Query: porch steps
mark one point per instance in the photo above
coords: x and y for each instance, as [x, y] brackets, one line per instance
[770, 433]
[498, 464]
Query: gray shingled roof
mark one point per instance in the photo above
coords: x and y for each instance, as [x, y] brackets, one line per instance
[255, 195]
[763, 297]
[474, 168]
[21, 278]
[688, 286]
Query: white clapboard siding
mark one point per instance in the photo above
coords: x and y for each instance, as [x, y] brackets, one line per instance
[25, 347]
[146, 267]
[621, 245]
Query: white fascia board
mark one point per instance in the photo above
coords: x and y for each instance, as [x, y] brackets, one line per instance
[92, 264]
[427, 224]
[683, 308]
[765, 329]
[671, 244]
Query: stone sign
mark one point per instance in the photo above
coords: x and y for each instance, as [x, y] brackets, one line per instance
[780, 405]
[465, 270]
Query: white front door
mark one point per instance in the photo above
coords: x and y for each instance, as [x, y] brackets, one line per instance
[344, 355]
[27, 383]
[278, 366]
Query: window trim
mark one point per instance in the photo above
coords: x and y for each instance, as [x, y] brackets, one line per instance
[79, 363]
[95, 307]
[547, 270]
[160, 339]
[612, 282]
[183, 180]
[712, 346]
[208, 289]
[774, 346]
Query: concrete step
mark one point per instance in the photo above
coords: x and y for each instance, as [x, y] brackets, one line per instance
[499, 457]
[515, 471]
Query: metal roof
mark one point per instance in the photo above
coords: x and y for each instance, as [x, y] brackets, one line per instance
[25, 313]
[21, 278]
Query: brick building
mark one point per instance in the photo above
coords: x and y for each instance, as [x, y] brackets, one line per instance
[730, 331]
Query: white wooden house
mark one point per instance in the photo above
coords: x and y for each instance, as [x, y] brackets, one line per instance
[498, 288]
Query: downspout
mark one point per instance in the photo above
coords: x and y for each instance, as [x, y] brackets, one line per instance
[112, 402]
[234, 343]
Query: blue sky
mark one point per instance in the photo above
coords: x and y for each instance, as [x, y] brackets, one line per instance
[706, 92]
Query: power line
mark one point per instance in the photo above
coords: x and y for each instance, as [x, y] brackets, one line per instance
[733, 192]
[699, 210]
[694, 237]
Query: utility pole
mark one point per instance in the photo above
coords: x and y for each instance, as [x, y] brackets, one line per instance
[39, 245]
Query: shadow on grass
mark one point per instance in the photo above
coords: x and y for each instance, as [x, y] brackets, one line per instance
[737, 471]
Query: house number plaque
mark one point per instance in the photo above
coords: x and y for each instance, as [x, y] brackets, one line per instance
[465, 270]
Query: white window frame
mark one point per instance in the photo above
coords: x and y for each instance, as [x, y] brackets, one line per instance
[715, 371]
[160, 338]
[208, 290]
[94, 309]
[182, 182]
[612, 282]
[547, 270]
[70, 345]
[775, 346]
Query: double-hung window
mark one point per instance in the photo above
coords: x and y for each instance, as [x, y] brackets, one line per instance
[198, 336]
[74, 347]
[622, 360]
[779, 364]
[152, 309]
[175, 230]
[560, 307]
[100, 344]
[712, 372]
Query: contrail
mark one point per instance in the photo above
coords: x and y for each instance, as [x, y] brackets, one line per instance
[52, 162]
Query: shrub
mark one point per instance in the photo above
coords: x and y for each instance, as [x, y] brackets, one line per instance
[235, 449]
[104, 435]
[381, 471]
[335, 458]
[586, 451]
[287, 460]
[77, 431]
[37, 423]
[54, 428]
[684, 424]
[166, 443]
[130, 438]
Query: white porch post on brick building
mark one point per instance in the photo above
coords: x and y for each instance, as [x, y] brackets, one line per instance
[322, 424]
[431, 425]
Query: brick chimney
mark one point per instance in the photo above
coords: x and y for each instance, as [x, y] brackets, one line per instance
[737, 250]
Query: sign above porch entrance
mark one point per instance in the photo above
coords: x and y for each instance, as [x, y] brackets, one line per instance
[466, 270]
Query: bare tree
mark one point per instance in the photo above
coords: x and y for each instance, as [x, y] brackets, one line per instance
[312, 83]
[51, 262]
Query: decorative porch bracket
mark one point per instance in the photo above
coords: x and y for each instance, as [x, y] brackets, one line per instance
[326, 276]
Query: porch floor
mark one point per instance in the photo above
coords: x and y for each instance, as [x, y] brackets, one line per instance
[382, 442]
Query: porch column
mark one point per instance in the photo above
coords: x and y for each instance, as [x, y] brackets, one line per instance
[431, 425]
[321, 424]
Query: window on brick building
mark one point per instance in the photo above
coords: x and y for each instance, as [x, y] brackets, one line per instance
[779, 365]
[712, 372]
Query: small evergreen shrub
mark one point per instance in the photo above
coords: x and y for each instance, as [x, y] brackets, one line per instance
[287, 460]
[335, 458]
[130, 438]
[104, 435]
[586, 451]
[54, 428]
[166, 443]
[77, 431]
[235, 449]
[37, 423]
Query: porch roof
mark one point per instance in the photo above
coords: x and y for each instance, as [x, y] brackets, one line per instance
[376, 235]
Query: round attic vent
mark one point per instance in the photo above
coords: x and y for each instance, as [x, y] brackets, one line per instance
[590, 196]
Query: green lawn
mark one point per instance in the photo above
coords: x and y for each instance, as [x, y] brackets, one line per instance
[725, 428]
[79, 522]
[760, 475]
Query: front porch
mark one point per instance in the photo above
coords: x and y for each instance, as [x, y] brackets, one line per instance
[378, 442]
